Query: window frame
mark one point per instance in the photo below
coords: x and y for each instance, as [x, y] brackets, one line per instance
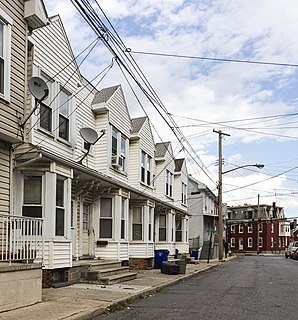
[119, 150]
[135, 224]
[7, 23]
[232, 242]
[163, 228]
[250, 242]
[146, 172]
[169, 184]
[103, 218]
[33, 205]
[60, 210]
[184, 194]
[179, 232]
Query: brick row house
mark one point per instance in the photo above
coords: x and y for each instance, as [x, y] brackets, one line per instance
[251, 226]
[118, 198]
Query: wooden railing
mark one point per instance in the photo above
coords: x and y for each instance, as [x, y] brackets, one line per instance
[21, 239]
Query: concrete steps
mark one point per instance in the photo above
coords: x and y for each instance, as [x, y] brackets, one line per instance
[107, 272]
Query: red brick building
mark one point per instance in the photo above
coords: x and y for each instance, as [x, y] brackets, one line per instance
[250, 225]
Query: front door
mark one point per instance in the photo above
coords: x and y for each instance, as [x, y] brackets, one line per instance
[240, 244]
[87, 230]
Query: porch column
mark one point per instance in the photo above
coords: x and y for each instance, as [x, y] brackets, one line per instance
[146, 223]
[117, 217]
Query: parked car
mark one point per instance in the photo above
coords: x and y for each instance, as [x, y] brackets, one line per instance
[291, 249]
[295, 254]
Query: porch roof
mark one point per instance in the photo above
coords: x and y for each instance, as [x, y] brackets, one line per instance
[40, 155]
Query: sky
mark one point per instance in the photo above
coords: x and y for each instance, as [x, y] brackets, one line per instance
[242, 79]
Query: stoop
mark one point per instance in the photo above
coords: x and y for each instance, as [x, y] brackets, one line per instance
[107, 272]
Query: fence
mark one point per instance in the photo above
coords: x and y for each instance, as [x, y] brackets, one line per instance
[21, 239]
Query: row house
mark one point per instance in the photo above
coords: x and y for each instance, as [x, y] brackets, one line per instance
[17, 19]
[253, 228]
[95, 177]
[202, 205]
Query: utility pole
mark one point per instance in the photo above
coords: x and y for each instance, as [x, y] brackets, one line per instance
[258, 226]
[220, 217]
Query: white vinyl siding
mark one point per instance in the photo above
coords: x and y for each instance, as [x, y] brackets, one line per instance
[51, 54]
[4, 180]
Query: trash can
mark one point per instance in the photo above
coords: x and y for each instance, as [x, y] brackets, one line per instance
[182, 266]
[195, 254]
[169, 268]
[160, 257]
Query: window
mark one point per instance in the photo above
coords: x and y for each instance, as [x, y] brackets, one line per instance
[232, 228]
[146, 168]
[85, 217]
[261, 227]
[5, 49]
[260, 242]
[151, 214]
[272, 242]
[106, 219]
[179, 230]
[64, 111]
[232, 242]
[249, 242]
[45, 119]
[169, 183]
[137, 223]
[272, 228]
[249, 228]
[162, 227]
[184, 193]
[60, 207]
[118, 156]
[123, 210]
[240, 228]
[32, 196]
[72, 215]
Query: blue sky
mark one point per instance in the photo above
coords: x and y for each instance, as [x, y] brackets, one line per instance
[254, 103]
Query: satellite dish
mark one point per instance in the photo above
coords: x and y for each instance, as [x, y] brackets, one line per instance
[89, 135]
[38, 88]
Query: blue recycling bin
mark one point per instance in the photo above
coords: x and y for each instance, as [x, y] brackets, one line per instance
[195, 254]
[160, 257]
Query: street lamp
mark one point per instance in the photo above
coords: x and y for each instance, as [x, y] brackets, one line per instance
[220, 222]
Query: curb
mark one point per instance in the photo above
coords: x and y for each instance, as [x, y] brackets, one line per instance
[122, 303]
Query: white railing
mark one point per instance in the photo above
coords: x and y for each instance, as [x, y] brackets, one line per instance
[21, 239]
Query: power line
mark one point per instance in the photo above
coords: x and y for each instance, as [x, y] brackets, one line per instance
[278, 64]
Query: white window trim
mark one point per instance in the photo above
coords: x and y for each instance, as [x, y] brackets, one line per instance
[232, 242]
[250, 242]
[240, 228]
[8, 22]
[120, 167]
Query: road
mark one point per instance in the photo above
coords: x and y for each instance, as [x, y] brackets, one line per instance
[252, 287]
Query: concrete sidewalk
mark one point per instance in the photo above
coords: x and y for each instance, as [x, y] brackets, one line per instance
[87, 301]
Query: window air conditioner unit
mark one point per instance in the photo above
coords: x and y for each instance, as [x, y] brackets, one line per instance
[117, 162]
[120, 161]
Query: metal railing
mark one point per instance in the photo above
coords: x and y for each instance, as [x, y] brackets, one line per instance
[21, 239]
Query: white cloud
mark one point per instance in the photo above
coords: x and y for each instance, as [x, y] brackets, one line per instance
[263, 30]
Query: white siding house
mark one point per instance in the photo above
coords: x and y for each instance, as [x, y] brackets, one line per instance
[168, 210]
[141, 177]
[203, 211]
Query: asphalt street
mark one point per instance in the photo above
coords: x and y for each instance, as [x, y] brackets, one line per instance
[251, 287]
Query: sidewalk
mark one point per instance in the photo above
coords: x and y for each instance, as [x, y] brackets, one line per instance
[87, 301]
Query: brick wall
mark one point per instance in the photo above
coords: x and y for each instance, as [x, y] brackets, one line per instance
[141, 263]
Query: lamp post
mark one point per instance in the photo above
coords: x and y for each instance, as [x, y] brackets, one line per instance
[220, 173]
[220, 217]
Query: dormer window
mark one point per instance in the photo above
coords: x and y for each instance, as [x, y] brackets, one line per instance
[169, 183]
[146, 169]
[64, 106]
[119, 150]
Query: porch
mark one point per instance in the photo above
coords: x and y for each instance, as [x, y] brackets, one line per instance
[21, 256]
